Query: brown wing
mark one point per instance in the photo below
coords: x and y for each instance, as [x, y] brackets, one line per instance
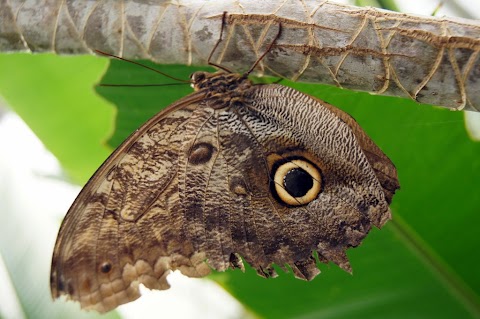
[125, 227]
[199, 184]
[381, 164]
[227, 185]
[358, 180]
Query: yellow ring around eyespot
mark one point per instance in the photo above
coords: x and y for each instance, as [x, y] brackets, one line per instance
[312, 193]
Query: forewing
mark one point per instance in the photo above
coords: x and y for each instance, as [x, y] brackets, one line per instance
[125, 227]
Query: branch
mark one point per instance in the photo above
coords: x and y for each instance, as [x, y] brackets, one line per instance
[431, 60]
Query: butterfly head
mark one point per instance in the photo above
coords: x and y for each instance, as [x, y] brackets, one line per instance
[221, 89]
[219, 81]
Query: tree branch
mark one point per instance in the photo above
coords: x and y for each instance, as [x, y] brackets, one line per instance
[431, 60]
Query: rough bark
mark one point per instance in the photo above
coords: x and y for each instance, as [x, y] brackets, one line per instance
[432, 60]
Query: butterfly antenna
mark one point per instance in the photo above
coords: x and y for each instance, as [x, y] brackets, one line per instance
[277, 36]
[142, 65]
[142, 85]
[220, 39]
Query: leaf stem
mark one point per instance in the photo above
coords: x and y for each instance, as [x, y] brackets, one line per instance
[455, 284]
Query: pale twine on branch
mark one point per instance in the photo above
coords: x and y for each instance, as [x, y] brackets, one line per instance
[431, 60]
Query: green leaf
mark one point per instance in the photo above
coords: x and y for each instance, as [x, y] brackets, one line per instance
[54, 95]
[137, 104]
[422, 264]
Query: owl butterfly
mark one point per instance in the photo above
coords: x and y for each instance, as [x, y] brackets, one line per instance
[233, 172]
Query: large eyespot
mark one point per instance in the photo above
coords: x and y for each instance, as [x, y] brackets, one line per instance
[296, 181]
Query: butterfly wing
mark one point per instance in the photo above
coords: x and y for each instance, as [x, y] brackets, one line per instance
[199, 184]
[227, 184]
[358, 180]
[126, 226]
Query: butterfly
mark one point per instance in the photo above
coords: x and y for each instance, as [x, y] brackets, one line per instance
[234, 172]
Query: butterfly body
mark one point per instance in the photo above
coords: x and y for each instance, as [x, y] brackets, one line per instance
[233, 172]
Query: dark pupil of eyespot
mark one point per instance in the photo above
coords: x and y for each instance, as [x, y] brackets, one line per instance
[297, 182]
[106, 267]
